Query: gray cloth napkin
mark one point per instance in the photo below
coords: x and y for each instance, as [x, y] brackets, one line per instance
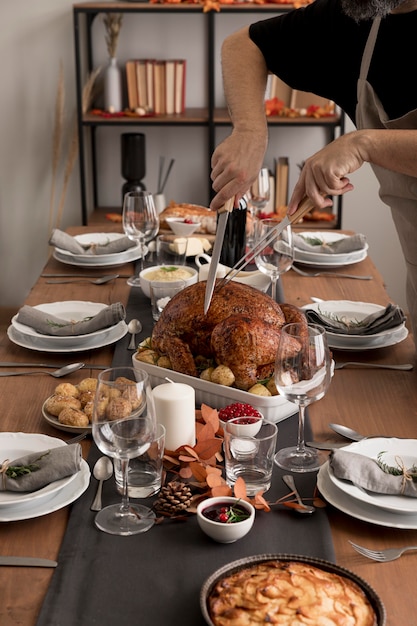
[390, 317]
[49, 466]
[62, 240]
[48, 324]
[311, 243]
[366, 473]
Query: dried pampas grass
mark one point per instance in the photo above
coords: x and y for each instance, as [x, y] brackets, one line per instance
[87, 97]
[113, 25]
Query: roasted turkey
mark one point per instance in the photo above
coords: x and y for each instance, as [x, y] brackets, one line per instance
[241, 330]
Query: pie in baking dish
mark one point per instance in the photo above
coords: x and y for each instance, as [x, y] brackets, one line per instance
[288, 593]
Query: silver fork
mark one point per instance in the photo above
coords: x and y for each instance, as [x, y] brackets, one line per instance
[383, 556]
[324, 273]
[77, 438]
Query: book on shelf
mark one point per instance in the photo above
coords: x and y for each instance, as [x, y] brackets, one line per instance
[142, 87]
[132, 92]
[179, 100]
[156, 85]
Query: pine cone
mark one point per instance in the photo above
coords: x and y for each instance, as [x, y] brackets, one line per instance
[173, 499]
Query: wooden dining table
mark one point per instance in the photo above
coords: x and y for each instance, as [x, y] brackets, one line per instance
[382, 402]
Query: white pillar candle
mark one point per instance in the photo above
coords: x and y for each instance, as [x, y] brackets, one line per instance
[175, 409]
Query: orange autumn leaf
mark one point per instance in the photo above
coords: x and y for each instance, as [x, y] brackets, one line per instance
[206, 432]
[187, 459]
[319, 503]
[260, 502]
[208, 448]
[213, 470]
[221, 490]
[191, 451]
[213, 480]
[114, 217]
[210, 416]
[240, 488]
[185, 472]
[198, 471]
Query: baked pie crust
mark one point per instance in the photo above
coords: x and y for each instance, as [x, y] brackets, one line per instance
[288, 593]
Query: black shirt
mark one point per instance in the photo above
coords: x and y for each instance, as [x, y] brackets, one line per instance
[319, 49]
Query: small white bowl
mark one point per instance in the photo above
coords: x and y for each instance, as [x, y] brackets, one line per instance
[221, 531]
[145, 277]
[237, 426]
[181, 228]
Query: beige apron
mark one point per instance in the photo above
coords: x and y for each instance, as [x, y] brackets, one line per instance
[398, 191]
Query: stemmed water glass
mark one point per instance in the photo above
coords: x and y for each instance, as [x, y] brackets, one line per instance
[259, 194]
[302, 376]
[275, 258]
[123, 428]
[140, 223]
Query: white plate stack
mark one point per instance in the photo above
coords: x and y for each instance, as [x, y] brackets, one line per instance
[383, 510]
[71, 310]
[330, 260]
[16, 506]
[351, 311]
[99, 260]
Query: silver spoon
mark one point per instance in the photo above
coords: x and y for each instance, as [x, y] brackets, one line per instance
[133, 327]
[63, 371]
[305, 509]
[382, 366]
[347, 432]
[103, 470]
[98, 281]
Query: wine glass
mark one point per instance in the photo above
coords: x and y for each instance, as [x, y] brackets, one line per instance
[123, 428]
[140, 223]
[259, 194]
[302, 376]
[275, 258]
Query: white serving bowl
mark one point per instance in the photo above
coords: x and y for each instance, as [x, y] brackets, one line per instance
[145, 278]
[181, 228]
[221, 531]
[237, 426]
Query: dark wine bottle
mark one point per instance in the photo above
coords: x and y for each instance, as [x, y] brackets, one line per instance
[234, 242]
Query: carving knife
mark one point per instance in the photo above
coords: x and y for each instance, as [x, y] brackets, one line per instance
[26, 561]
[304, 207]
[217, 248]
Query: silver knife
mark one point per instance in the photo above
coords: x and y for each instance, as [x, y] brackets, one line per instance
[26, 561]
[323, 445]
[217, 248]
[80, 275]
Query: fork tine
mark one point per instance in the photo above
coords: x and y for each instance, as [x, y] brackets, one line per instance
[377, 555]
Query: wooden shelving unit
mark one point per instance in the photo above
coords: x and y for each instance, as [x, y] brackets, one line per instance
[208, 117]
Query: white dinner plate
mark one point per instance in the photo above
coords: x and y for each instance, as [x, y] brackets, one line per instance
[71, 310]
[100, 239]
[404, 449]
[353, 311]
[62, 498]
[381, 342]
[112, 335]
[325, 266]
[54, 421]
[120, 259]
[328, 260]
[361, 510]
[16, 445]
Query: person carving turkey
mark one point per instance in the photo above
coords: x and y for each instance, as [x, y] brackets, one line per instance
[241, 330]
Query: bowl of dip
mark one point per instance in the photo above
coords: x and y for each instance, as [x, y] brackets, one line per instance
[166, 274]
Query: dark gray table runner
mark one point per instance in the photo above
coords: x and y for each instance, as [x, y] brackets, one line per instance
[154, 579]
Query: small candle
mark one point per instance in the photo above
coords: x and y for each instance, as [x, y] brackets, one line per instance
[175, 409]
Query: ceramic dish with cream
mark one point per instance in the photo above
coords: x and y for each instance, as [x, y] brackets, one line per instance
[167, 274]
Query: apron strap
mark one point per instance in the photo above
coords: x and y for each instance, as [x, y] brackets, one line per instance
[369, 49]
